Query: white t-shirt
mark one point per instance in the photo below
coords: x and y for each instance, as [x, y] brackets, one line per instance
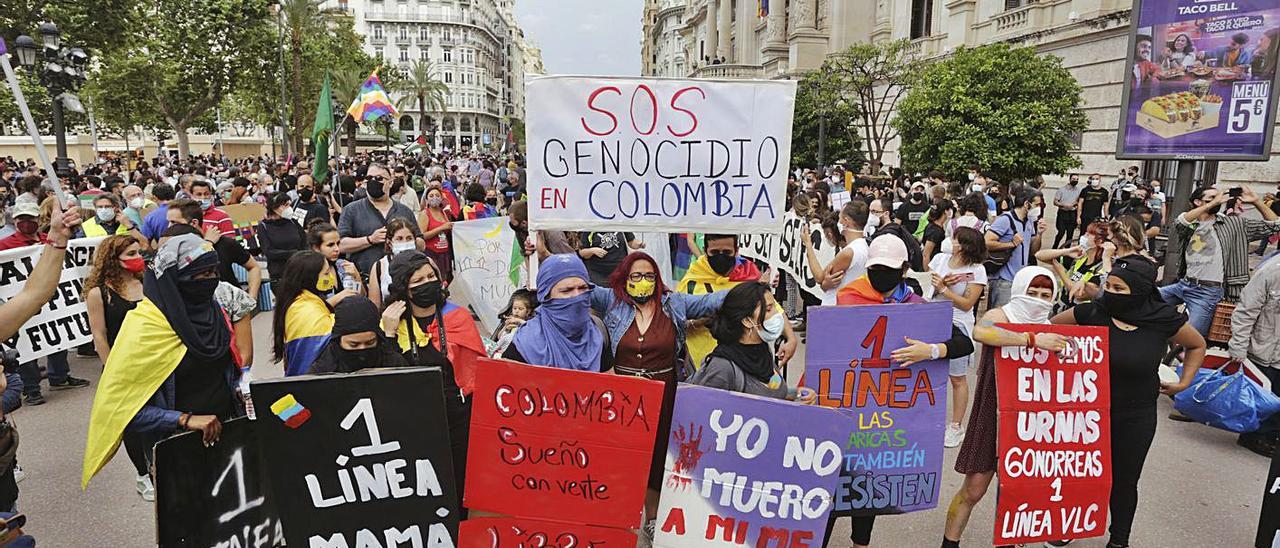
[941, 265]
[857, 267]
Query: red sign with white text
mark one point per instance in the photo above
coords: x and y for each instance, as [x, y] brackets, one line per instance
[554, 443]
[1054, 437]
[510, 532]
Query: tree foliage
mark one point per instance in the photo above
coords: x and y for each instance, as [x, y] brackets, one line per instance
[875, 77]
[1008, 110]
[98, 26]
[819, 97]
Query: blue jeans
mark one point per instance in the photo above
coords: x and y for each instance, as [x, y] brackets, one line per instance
[1200, 301]
[999, 292]
[58, 371]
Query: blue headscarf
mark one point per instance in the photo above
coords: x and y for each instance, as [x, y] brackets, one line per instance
[561, 334]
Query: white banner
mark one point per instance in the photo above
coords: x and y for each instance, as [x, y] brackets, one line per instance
[63, 322]
[658, 155]
[482, 267]
[787, 252]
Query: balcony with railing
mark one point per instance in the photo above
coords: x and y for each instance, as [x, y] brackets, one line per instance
[729, 72]
[404, 41]
[378, 40]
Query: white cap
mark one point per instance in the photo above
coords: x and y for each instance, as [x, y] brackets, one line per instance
[887, 251]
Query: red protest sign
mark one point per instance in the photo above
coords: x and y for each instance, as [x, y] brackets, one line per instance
[1054, 437]
[551, 443]
[512, 532]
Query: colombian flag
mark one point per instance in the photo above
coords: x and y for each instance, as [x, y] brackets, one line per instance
[290, 411]
[372, 101]
[307, 326]
[464, 343]
[702, 279]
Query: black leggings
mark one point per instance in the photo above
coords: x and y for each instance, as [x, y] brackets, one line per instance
[139, 451]
[861, 534]
[1131, 433]
[1066, 224]
[459, 417]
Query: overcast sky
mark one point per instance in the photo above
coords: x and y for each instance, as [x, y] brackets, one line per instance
[590, 37]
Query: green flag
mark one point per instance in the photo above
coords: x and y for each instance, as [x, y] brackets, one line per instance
[321, 132]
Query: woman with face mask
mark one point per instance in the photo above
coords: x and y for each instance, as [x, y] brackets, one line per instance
[563, 333]
[279, 235]
[399, 240]
[436, 224]
[179, 369]
[357, 341]
[430, 331]
[1033, 292]
[302, 320]
[1140, 325]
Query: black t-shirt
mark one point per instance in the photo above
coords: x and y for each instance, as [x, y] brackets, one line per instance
[1134, 356]
[934, 233]
[909, 213]
[315, 210]
[1093, 198]
[615, 246]
[229, 251]
[200, 386]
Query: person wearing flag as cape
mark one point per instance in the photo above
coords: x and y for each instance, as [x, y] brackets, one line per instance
[720, 269]
[302, 319]
[180, 367]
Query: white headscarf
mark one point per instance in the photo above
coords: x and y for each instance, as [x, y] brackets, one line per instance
[1023, 308]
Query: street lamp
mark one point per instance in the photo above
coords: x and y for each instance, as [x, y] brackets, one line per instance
[62, 72]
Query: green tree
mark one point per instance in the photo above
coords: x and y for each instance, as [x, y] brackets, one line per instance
[1006, 109]
[820, 100]
[300, 19]
[98, 26]
[420, 85]
[875, 77]
[189, 55]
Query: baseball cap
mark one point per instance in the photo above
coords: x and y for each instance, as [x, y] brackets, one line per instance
[887, 251]
[23, 207]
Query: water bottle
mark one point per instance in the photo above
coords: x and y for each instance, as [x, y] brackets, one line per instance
[351, 284]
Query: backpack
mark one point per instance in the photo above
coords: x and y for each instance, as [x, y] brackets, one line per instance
[996, 260]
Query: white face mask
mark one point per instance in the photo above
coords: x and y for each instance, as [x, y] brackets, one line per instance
[1035, 212]
[973, 176]
[948, 248]
[286, 212]
[771, 329]
[873, 221]
[397, 247]
[975, 188]
[1086, 242]
[1094, 183]
[136, 203]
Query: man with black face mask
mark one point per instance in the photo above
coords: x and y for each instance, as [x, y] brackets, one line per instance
[357, 341]
[363, 222]
[1214, 250]
[307, 205]
[915, 208]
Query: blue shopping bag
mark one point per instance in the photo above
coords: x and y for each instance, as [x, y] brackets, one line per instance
[1230, 401]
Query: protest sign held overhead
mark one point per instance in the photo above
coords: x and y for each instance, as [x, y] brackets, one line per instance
[361, 459]
[786, 251]
[63, 322]
[747, 470]
[1054, 437]
[504, 532]
[561, 444]
[893, 416]
[217, 495]
[658, 155]
[488, 265]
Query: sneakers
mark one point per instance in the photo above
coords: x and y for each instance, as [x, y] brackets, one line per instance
[1176, 415]
[70, 382]
[145, 489]
[955, 435]
[34, 398]
[1263, 445]
[18, 474]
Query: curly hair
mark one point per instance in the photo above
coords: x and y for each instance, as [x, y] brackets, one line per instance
[106, 270]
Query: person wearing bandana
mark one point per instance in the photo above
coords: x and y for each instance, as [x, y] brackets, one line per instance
[1140, 325]
[563, 333]
[357, 341]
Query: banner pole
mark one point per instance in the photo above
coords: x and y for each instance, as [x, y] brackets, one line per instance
[31, 124]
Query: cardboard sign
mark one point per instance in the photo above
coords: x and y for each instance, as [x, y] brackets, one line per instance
[559, 444]
[1269, 518]
[245, 214]
[360, 459]
[483, 268]
[619, 154]
[747, 470]
[894, 415]
[63, 322]
[510, 532]
[786, 251]
[1054, 437]
[214, 496]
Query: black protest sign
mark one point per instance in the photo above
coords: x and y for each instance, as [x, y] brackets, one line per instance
[359, 460]
[1269, 521]
[214, 496]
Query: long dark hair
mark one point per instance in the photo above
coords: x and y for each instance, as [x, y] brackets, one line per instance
[618, 279]
[970, 245]
[741, 303]
[940, 208]
[300, 273]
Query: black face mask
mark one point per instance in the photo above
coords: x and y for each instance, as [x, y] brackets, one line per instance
[884, 280]
[917, 196]
[1215, 209]
[641, 300]
[722, 263]
[425, 295]
[196, 291]
[1117, 303]
[374, 188]
[364, 358]
[306, 194]
[491, 201]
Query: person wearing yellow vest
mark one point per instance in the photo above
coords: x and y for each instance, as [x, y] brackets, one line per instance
[719, 269]
[108, 220]
[1080, 267]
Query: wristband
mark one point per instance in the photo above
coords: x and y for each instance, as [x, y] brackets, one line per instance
[933, 351]
[368, 240]
[1031, 340]
[183, 420]
[62, 247]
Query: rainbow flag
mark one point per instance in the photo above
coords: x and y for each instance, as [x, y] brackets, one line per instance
[372, 102]
[762, 8]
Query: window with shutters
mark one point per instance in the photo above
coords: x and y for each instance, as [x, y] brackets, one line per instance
[1014, 4]
[922, 18]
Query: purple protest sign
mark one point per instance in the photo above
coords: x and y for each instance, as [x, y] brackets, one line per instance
[746, 470]
[894, 415]
[1200, 80]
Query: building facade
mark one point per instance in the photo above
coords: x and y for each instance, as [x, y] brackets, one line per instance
[478, 51]
[737, 39]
